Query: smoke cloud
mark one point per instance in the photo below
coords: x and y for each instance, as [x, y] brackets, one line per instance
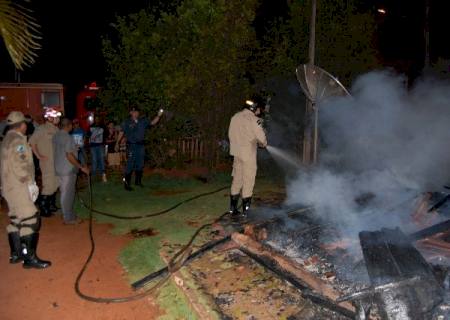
[379, 150]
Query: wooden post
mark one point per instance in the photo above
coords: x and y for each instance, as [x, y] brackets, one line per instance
[308, 139]
[427, 62]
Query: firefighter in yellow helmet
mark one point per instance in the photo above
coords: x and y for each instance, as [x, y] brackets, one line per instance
[246, 134]
[42, 145]
[20, 191]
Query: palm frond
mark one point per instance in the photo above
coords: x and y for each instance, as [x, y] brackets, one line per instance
[20, 33]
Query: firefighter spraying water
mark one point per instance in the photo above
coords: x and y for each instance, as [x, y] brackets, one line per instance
[246, 133]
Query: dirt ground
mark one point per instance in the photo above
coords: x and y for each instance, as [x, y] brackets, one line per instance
[49, 294]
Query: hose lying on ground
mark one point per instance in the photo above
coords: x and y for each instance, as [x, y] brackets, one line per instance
[175, 263]
[150, 215]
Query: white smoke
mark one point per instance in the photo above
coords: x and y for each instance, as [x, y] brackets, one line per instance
[387, 143]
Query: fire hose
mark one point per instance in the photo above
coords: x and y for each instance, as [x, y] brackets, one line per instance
[175, 263]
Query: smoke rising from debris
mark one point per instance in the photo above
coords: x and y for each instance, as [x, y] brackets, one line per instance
[379, 150]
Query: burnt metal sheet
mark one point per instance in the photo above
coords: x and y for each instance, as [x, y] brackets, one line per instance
[391, 258]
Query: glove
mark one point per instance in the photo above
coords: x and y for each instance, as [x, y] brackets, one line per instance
[33, 191]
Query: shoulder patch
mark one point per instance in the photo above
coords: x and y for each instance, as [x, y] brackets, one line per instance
[20, 148]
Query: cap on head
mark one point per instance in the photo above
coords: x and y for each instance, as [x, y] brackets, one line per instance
[134, 109]
[15, 117]
[52, 112]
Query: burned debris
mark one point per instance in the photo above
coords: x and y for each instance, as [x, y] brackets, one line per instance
[384, 275]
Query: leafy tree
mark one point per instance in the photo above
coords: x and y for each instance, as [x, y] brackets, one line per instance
[198, 58]
[344, 39]
[192, 61]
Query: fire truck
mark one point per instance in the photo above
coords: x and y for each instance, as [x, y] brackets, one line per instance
[30, 98]
[88, 106]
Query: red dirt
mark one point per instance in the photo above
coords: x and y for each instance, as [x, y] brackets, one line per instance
[49, 294]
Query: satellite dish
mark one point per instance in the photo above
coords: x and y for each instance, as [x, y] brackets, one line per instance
[317, 84]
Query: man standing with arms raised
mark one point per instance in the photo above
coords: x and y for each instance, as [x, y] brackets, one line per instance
[134, 131]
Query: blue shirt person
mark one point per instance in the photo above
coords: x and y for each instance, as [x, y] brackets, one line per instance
[78, 136]
[133, 129]
[97, 146]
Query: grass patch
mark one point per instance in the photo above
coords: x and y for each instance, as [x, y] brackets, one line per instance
[142, 255]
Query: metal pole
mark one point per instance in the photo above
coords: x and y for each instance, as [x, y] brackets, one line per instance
[316, 132]
[308, 135]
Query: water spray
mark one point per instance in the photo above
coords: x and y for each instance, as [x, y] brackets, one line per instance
[283, 157]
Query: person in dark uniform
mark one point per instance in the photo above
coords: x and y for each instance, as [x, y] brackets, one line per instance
[134, 131]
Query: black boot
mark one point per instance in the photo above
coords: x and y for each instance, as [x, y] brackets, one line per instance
[14, 244]
[127, 182]
[52, 203]
[30, 258]
[234, 199]
[44, 206]
[138, 179]
[246, 202]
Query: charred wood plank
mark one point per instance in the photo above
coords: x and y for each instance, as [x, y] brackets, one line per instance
[437, 228]
[436, 243]
[164, 271]
[310, 285]
[212, 244]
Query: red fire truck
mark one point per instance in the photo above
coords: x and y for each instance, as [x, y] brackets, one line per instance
[87, 106]
[30, 98]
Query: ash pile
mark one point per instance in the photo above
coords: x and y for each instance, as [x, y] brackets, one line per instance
[387, 273]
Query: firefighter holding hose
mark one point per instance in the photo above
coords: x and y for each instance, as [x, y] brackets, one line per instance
[134, 131]
[20, 191]
[246, 133]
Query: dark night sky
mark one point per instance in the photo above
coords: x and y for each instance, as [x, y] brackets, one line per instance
[72, 32]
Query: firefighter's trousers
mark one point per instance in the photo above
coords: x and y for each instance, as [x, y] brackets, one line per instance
[22, 213]
[49, 180]
[244, 174]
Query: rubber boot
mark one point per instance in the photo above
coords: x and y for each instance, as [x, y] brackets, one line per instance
[44, 206]
[14, 244]
[52, 203]
[246, 203]
[138, 179]
[127, 182]
[30, 258]
[234, 199]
